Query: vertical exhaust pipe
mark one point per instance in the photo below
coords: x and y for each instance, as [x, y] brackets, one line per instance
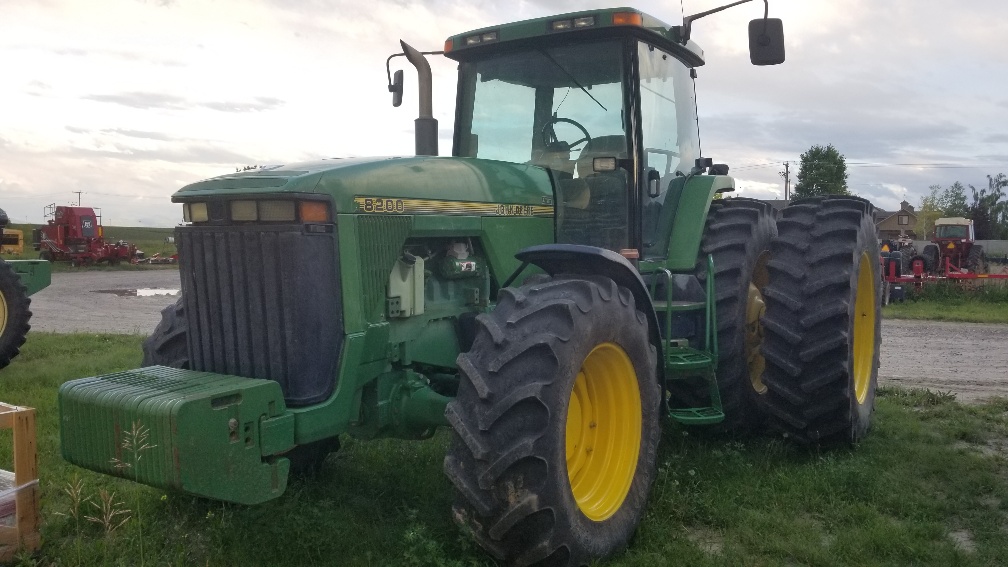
[426, 124]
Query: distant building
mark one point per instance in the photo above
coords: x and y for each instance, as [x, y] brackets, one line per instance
[901, 223]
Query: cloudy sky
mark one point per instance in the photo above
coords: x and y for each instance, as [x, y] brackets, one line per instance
[125, 101]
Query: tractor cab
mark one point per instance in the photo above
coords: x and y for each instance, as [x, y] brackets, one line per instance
[612, 120]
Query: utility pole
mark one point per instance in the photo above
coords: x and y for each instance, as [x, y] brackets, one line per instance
[78, 196]
[786, 174]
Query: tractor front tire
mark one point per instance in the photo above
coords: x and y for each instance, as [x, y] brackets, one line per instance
[823, 321]
[14, 313]
[738, 234]
[168, 345]
[556, 423]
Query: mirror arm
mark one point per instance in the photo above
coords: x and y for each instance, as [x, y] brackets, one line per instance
[687, 27]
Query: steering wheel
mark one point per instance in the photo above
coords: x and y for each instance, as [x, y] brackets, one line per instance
[549, 137]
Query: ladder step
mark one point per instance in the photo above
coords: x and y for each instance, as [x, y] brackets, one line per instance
[697, 416]
[679, 358]
[662, 306]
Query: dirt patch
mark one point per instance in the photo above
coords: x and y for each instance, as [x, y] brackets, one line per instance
[967, 359]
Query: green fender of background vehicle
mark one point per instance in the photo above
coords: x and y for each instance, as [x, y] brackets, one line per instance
[18, 280]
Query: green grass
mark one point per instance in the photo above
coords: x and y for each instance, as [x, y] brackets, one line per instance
[932, 471]
[953, 302]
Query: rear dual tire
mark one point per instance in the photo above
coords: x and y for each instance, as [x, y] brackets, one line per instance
[823, 321]
[738, 235]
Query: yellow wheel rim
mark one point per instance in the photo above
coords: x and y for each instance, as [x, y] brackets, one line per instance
[3, 313]
[603, 431]
[755, 308]
[864, 329]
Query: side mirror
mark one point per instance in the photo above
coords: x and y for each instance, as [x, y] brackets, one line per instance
[766, 41]
[396, 88]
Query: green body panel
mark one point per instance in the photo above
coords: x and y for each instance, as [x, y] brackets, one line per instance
[206, 434]
[35, 274]
[681, 225]
[438, 179]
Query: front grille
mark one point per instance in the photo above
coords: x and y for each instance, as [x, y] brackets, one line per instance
[264, 302]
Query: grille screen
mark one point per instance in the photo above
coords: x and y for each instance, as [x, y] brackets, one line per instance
[264, 302]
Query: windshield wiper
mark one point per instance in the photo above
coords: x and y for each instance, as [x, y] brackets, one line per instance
[571, 77]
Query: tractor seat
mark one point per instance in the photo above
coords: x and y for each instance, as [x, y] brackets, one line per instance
[595, 203]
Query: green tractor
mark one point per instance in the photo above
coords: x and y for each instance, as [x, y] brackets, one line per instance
[563, 284]
[18, 280]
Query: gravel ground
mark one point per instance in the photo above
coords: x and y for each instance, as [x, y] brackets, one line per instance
[101, 301]
[965, 358]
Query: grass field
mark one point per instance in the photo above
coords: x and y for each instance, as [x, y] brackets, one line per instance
[929, 486]
[952, 302]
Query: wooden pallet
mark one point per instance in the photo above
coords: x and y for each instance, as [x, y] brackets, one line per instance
[19, 493]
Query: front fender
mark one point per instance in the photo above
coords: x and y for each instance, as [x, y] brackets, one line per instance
[591, 261]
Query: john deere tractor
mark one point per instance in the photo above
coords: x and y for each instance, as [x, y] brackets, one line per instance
[556, 290]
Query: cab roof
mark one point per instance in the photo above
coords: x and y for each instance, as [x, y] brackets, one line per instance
[588, 23]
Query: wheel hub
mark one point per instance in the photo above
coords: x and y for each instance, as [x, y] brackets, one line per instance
[603, 432]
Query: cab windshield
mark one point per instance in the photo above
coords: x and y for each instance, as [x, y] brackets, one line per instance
[566, 108]
[953, 231]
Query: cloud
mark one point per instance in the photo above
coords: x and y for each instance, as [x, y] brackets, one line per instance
[150, 101]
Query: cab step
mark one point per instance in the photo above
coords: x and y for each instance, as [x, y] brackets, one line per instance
[697, 416]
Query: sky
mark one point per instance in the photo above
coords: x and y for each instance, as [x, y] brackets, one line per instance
[125, 101]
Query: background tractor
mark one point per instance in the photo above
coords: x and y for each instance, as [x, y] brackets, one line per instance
[555, 291]
[18, 280]
[952, 249]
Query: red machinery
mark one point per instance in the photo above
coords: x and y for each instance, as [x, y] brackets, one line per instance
[75, 234]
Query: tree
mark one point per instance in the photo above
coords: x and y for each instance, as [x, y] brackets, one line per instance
[928, 211]
[823, 171]
[988, 211]
[953, 201]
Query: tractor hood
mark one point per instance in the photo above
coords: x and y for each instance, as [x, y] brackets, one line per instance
[408, 184]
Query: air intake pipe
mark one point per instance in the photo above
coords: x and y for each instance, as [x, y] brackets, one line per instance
[426, 124]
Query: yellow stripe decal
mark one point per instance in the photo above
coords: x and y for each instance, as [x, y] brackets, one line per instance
[395, 206]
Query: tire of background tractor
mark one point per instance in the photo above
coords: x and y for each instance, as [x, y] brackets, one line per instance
[931, 258]
[168, 345]
[908, 252]
[738, 234]
[823, 321]
[976, 262]
[14, 314]
[556, 423]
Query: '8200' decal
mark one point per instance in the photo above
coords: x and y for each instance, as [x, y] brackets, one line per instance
[386, 205]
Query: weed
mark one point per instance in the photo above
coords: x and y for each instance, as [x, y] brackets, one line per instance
[135, 442]
[110, 513]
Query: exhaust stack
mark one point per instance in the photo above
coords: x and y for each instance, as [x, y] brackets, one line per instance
[426, 124]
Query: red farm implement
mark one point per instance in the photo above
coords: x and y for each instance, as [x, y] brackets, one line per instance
[75, 234]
